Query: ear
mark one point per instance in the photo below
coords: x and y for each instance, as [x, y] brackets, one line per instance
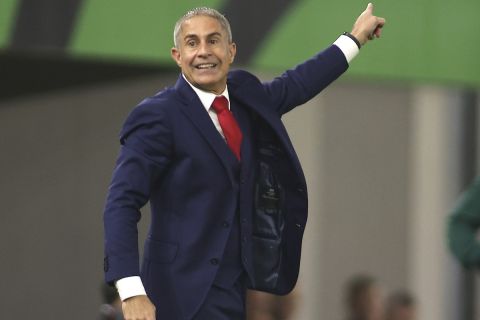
[175, 53]
[232, 48]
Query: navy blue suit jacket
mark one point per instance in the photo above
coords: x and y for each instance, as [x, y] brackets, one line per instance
[173, 156]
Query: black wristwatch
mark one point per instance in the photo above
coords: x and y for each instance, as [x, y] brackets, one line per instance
[348, 34]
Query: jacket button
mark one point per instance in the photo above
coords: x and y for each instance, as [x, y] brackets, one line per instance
[214, 261]
[225, 224]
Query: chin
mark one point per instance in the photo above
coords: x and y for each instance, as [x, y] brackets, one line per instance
[208, 85]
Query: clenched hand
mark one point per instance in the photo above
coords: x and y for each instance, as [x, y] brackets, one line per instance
[367, 26]
[138, 308]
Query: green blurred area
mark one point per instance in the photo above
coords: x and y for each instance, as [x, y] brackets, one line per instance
[423, 40]
[7, 19]
[142, 30]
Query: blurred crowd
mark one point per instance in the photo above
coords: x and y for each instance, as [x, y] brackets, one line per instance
[364, 296]
[365, 299]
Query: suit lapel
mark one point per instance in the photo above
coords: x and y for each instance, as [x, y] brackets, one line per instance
[192, 107]
[247, 97]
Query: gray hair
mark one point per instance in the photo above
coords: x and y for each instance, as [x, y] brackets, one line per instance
[203, 11]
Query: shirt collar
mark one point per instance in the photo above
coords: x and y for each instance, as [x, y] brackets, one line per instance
[207, 97]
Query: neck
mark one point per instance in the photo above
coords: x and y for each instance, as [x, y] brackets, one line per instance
[215, 91]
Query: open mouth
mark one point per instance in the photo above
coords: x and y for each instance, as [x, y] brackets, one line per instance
[206, 66]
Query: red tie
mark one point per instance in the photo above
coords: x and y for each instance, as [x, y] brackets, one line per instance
[229, 125]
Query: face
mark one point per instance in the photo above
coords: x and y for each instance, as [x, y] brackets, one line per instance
[204, 53]
[370, 304]
[403, 313]
[375, 303]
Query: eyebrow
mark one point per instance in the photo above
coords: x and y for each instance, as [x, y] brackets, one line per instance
[188, 36]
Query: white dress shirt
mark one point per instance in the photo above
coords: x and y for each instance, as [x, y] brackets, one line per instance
[207, 99]
[132, 286]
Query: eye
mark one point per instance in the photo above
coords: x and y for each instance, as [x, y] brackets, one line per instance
[213, 41]
[191, 43]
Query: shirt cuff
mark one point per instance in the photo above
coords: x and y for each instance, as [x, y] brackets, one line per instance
[347, 46]
[129, 287]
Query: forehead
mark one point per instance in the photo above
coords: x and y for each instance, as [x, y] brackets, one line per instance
[201, 26]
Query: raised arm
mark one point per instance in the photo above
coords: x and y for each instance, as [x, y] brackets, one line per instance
[302, 83]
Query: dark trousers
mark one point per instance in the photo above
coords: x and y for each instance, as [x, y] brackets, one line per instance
[225, 303]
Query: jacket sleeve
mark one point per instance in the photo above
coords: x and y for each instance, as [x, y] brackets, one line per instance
[305, 81]
[463, 225]
[144, 155]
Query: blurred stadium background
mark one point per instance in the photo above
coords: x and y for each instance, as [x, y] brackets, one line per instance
[386, 149]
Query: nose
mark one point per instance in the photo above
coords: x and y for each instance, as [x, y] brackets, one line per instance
[203, 49]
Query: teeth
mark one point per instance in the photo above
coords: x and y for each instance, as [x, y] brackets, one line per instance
[206, 66]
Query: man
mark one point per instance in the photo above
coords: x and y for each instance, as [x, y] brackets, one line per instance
[227, 193]
[401, 305]
[463, 225]
[111, 309]
[364, 298]
[266, 306]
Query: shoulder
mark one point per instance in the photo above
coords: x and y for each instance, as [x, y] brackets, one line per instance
[158, 102]
[245, 84]
[151, 111]
[242, 77]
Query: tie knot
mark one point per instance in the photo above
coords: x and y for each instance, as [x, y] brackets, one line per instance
[220, 104]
